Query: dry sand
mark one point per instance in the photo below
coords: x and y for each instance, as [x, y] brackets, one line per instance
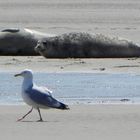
[84, 122]
[41, 64]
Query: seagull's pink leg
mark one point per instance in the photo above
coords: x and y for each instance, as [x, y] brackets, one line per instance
[25, 115]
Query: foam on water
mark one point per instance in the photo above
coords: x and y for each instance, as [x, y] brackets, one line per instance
[76, 88]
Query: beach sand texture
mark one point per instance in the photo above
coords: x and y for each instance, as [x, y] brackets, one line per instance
[102, 122]
[115, 18]
[99, 122]
[41, 64]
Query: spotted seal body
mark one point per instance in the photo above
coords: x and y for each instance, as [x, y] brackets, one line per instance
[84, 45]
[15, 41]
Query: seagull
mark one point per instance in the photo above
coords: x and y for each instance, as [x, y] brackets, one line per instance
[37, 97]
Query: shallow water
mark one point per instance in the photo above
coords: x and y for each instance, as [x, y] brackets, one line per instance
[76, 88]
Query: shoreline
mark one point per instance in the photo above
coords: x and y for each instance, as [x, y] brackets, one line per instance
[39, 64]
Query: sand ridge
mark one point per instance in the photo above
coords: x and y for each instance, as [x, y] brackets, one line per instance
[41, 64]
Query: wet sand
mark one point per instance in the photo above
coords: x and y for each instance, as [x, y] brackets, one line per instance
[102, 122]
[115, 18]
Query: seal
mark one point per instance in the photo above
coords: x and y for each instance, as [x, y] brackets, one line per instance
[85, 45]
[14, 41]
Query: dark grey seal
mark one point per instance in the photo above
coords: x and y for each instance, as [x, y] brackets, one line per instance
[15, 41]
[84, 45]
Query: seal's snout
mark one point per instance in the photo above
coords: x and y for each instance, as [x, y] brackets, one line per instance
[39, 47]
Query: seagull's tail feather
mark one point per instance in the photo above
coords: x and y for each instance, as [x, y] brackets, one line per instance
[63, 107]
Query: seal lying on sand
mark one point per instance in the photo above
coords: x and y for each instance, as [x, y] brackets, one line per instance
[84, 45]
[19, 41]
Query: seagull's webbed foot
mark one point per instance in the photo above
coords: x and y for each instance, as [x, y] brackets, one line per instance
[40, 120]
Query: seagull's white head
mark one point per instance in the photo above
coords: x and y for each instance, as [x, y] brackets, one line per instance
[26, 74]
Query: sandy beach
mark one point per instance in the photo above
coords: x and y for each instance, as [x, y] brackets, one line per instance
[113, 18]
[41, 64]
[81, 122]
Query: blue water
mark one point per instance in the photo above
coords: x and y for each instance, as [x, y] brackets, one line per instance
[75, 88]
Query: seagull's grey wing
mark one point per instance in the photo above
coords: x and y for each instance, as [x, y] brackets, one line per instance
[46, 90]
[42, 98]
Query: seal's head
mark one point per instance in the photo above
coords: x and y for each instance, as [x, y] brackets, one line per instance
[40, 47]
